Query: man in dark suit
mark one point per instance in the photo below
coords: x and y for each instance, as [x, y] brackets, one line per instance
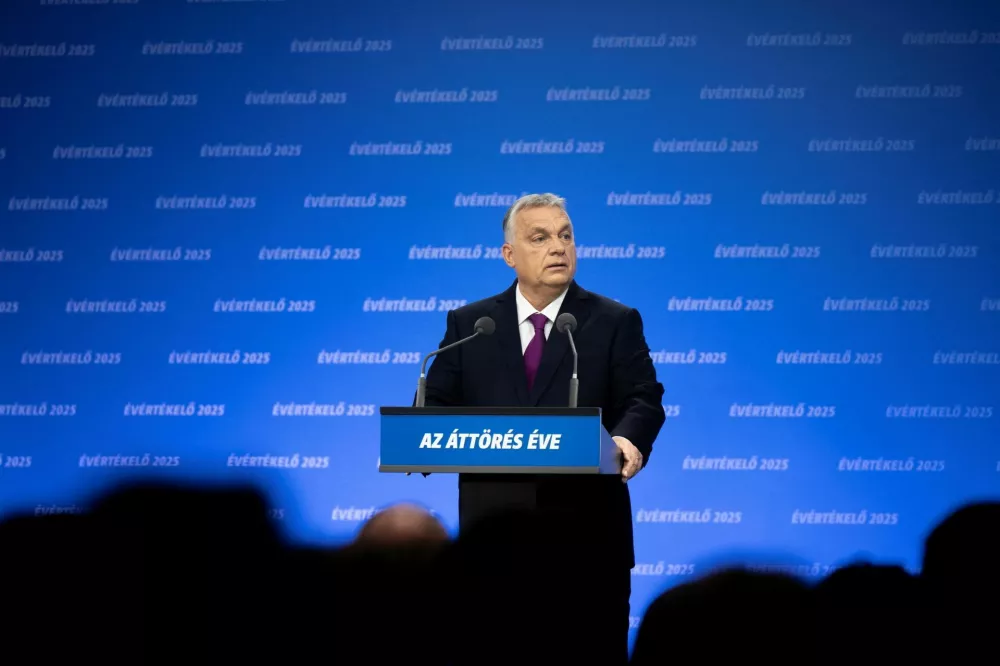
[525, 364]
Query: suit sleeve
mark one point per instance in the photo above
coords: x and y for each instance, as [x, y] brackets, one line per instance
[444, 378]
[635, 392]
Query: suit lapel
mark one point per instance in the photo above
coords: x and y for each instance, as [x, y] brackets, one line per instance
[509, 338]
[557, 344]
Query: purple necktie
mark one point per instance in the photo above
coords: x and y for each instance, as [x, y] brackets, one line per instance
[533, 353]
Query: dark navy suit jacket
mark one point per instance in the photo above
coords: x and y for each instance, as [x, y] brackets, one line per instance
[615, 373]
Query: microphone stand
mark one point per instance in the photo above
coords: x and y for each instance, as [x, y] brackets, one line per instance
[574, 382]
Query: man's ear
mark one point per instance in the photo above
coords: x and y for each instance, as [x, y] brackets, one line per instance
[508, 254]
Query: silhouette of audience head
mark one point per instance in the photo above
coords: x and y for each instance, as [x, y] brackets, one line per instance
[727, 614]
[962, 581]
[401, 525]
[962, 552]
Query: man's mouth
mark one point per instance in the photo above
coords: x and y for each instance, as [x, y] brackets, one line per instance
[557, 266]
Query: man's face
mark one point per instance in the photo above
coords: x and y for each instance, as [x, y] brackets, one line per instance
[543, 253]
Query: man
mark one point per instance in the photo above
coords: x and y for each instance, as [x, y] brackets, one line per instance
[401, 525]
[525, 363]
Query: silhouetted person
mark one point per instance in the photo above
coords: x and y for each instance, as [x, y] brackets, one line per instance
[401, 525]
[731, 615]
[385, 591]
[871, 595]
[961, 554]
[960, 572]
[72, 591]
[213, 568]
[869, 588]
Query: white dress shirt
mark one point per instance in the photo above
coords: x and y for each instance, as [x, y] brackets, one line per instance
[526, 309]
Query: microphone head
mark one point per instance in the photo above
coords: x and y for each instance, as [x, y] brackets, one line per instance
[485, 326]
[565, 322]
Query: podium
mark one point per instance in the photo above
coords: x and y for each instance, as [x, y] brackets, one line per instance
[496, 440]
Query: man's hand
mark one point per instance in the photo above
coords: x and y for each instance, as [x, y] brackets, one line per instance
[632, 462]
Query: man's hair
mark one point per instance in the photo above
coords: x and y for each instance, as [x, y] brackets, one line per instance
[527, 202]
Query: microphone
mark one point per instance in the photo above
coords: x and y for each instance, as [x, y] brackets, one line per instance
[483, 326]
[566, 323]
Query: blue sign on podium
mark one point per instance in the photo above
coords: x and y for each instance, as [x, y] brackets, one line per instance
[496, 440]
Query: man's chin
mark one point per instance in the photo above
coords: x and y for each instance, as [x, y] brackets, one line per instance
[558, 278]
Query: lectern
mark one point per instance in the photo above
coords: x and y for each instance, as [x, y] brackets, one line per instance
[496, 440]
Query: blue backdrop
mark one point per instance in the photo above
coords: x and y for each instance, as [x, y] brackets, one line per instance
[229, 230]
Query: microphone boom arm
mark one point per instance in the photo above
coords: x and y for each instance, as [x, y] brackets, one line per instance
[422, 381]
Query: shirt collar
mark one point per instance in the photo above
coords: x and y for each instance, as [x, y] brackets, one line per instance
[526, 309]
